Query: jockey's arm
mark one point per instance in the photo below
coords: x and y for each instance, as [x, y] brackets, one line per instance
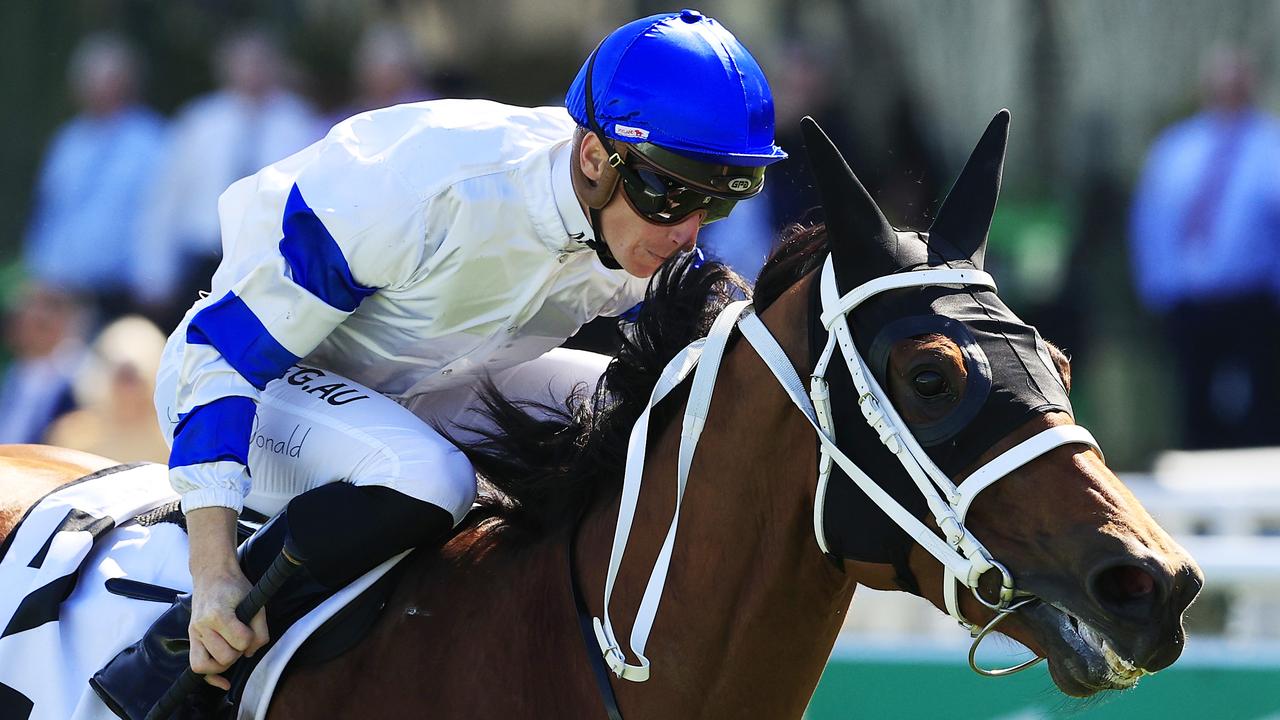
[218, 638]
[275, 300]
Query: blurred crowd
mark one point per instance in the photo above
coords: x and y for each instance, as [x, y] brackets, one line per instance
[124, 229]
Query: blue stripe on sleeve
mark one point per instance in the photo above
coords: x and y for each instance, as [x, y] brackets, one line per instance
[315, 259]
[217, 431]
[232, 328]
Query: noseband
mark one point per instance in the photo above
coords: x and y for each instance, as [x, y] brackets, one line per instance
[963, 557]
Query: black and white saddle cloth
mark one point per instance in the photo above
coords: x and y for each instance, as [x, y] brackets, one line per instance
[61, 624]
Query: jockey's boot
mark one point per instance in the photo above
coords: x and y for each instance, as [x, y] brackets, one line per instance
[340, 529]
[140, 674]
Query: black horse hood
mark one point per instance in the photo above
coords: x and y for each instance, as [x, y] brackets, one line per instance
[1012, 376]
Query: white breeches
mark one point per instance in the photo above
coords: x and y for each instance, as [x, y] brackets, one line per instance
[314, 427]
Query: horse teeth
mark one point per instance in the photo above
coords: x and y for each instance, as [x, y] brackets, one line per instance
[1122, 668]
[1122, 672]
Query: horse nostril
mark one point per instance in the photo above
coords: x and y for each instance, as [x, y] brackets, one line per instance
[1187, 584]
[1128, 589]
[1128, 582]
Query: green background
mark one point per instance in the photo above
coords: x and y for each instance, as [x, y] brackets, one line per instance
[948, 689]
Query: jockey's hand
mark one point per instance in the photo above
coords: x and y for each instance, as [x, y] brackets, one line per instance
[217, 638]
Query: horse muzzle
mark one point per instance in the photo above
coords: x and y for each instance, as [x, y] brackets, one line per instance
[1127, 624]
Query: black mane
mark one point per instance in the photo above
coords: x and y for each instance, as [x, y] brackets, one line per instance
[800, 252]
[541, 464]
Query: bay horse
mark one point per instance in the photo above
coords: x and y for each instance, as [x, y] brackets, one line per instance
[488, 626]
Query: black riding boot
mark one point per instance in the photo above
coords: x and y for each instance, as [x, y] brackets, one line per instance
[140, 674]
[342, 530]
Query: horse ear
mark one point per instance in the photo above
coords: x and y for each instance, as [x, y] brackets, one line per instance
[965, 216]
[854, 221]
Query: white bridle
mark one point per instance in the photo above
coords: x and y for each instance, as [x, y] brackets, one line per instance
[963, 557]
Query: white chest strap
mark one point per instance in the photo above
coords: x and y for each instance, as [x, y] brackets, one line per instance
[706, 355]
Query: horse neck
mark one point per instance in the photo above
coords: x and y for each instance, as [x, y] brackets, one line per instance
[751, 607]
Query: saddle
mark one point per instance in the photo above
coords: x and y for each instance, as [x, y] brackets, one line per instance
[132, 682]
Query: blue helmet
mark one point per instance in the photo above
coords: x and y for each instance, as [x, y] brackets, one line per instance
[682, 82]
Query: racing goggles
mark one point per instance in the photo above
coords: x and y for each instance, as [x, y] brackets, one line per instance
[665, 188]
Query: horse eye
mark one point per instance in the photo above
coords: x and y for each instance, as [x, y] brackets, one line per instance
[929, 384]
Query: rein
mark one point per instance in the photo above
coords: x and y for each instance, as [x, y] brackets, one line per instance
[963, 557]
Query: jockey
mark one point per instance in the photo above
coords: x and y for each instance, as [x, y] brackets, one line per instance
[371, 280]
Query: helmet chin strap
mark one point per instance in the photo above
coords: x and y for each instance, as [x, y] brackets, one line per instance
[595, 195]
[598, 243]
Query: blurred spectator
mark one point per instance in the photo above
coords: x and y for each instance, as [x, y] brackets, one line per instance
[1205, 234]
[387, 71]
[903, 181]
[113, 391]
[45, 334]
[83, 232]
[250, 122]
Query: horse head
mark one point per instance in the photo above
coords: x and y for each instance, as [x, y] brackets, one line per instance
[1055, 544]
